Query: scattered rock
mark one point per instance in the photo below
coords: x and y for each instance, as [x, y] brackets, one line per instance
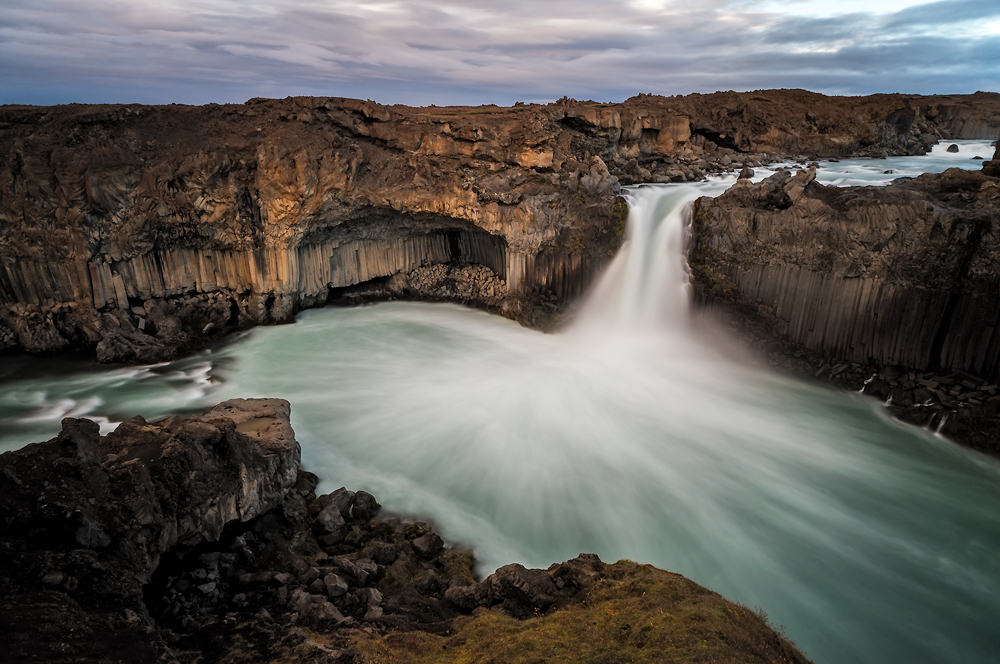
[428, 545]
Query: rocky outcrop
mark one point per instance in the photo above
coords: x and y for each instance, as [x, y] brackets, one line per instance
[201, 539]
[992, 167]
[899, 284]
[141, 231]
[87, 520]
[798, 122]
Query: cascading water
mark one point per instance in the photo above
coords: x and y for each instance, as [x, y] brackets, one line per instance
[628, 436]
[646, 287]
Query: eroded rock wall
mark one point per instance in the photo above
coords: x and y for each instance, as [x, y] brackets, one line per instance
[905, 274]
[141, 231]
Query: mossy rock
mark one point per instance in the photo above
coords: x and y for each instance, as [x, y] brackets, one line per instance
[627, 613]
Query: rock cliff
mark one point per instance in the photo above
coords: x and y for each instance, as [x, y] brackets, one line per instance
[141, 231]
[87, 520]
[203, 540]
[896, 285]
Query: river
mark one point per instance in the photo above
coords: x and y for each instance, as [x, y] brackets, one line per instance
[636, 433]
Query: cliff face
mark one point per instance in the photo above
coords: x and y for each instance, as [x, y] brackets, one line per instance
[797, 122]
[140, 229]
[143, 230]
[897, 279]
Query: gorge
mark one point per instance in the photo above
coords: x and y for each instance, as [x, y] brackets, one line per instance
[625, 435]
[140, 231]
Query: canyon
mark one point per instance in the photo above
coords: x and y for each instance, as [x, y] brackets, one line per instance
[142, 232]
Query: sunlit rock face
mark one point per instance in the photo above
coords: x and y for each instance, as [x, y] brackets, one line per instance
[141, 231]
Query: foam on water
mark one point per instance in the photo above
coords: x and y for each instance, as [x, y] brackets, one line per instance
[36, 394]
[628, 436]
[861, 172]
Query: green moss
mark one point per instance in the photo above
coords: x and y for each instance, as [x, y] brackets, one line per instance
[619, 217]
[635, 614]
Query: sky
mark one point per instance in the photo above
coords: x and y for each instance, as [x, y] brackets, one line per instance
[422, 52]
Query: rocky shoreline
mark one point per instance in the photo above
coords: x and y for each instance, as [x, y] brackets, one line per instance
[203, 540]
[892, 289]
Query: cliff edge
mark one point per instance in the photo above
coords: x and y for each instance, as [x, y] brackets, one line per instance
[142, 231]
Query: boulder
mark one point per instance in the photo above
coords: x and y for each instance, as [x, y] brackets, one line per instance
[428, 545]
[518, 591]
[365, 506]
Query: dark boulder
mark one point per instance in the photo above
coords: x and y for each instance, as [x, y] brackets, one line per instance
[428, 545]
[365, 506]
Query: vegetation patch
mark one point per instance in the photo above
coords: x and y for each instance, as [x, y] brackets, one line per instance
[630, 613]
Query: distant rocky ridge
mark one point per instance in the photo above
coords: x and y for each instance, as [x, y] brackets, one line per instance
[141, 231]
[893, 289]
[201, 539]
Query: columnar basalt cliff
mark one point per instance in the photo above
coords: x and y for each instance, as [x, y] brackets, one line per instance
[201, 539]
[141, 231]
[898, 286]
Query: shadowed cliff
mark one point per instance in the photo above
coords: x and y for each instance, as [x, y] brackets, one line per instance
[894, 288]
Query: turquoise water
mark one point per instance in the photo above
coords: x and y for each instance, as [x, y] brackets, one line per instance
[635, 434]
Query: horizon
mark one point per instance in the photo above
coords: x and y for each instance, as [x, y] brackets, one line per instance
[447, 53]
[512, 105]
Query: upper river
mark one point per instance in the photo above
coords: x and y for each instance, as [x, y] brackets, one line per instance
[633, 434]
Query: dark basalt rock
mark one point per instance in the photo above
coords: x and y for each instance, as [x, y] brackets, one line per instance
[846, 283]
[992, 167]
[142, 232]
[87, 520]
[365, 506]
[202, 540]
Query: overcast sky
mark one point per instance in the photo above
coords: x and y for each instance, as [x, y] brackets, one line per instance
[497, 51]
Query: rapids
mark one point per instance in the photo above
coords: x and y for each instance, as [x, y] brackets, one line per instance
[634, 434]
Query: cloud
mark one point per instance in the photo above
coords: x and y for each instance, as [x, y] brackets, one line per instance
[447, 51]
[936, 14]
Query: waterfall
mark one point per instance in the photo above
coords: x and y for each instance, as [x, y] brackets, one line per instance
[629, 436]
[647, 288]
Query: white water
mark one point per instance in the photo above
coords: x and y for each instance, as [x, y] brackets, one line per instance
[628, 436]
